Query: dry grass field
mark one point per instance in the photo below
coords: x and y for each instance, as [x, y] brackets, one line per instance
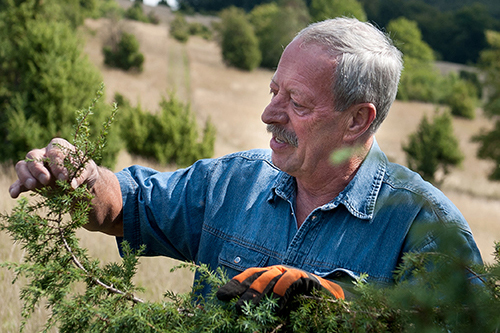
[234, 101]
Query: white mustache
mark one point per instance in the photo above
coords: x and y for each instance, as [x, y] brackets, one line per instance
[281, 134]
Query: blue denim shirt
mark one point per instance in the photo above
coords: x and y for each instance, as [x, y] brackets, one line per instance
[237, 211]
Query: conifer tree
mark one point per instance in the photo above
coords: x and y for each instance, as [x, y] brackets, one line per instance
[172, 136]
[490, 140]
[239, 45]
[44, 78]
[125, 54]
[275, 25]
[433, 147]
[325, 9]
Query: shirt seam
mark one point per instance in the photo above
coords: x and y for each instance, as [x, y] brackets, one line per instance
[241, 242]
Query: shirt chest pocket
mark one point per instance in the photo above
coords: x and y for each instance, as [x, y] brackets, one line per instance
[235, 258]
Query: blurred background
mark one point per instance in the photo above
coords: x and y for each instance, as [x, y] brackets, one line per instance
[206, 66]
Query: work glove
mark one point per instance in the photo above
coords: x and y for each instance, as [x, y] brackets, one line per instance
[282, 281]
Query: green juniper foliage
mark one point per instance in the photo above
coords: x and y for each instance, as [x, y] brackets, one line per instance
[433, 292]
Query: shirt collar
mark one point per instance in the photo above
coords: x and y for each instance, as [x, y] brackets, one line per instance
[359, 196]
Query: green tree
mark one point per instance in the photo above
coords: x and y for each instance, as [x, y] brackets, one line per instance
[168, 137]
[212, 6]
[433, 147]
[135, 12]
[408, 39]
[419, 79]
[490, 140]
[44, 78]
[179, 28]
[461, 96]
[454, 29]
[125, 54]
[489, 148]
[490, 64]
[324, 9]
[275, 26]
[240, 47]
[468, 34]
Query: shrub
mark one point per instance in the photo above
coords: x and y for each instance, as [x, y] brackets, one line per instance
[199, 29]
[461, 97]
[125, 54]
[136, 13]
[473, 79]
[179, 28]
[275, 26]
[489, 148]
[240, 47]
[153, 18]
[168, 137]
[44, 79]
[324, 9]
[433, 147]
[420, 81]
[490, 140]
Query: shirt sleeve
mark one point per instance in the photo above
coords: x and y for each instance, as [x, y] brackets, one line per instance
[164, 210]
[442, 228]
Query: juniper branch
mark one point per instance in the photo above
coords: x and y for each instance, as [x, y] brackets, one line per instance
[110, 288]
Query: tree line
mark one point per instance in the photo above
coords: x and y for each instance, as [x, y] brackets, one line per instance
[455, 30]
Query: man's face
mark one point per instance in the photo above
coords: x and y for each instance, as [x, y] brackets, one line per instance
[301, 116]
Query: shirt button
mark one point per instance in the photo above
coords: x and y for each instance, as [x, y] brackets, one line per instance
[237, 260]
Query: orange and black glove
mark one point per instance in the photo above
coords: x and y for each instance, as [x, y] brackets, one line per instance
[283, 281]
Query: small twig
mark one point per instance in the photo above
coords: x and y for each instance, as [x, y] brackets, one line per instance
[277, 328]
[96, 280]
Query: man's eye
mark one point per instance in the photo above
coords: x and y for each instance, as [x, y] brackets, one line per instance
[295, 104]
[273, 92]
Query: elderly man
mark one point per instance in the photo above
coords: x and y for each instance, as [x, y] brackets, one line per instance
[291, 213]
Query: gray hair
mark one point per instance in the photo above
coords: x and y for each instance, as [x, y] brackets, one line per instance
[368, 65]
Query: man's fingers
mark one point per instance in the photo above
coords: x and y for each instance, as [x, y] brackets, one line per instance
[31, 174]
[56, 152]
[33, 168]
[16, 188]
[42, 167]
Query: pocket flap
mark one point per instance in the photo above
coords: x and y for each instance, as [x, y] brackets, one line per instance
[240, 258]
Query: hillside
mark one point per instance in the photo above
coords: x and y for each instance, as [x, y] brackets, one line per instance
[235, 99]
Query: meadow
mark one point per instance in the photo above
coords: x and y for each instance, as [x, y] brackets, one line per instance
[233, 100]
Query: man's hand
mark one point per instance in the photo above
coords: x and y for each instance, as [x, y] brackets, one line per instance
[33, 173]
[43, 167]
[283, 281]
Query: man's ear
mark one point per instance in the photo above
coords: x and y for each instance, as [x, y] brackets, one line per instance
[361, 117]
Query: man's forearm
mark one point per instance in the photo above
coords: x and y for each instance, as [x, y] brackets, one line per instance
[106, 215]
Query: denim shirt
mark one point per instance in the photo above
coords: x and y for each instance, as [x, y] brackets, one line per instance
[237, 211]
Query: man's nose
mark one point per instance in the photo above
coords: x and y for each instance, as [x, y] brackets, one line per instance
[275, 112]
